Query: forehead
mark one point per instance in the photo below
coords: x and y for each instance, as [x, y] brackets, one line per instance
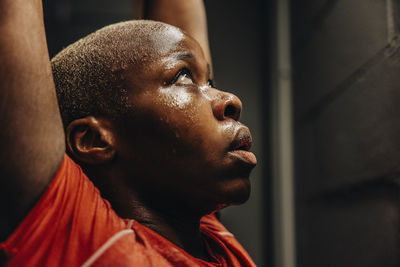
[167, 43]
[165, 39]
[161, 53]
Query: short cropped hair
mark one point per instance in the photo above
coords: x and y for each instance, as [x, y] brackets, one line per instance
[89, 74]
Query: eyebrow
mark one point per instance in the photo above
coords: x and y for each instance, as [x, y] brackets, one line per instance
[186, 55]
[182, 56]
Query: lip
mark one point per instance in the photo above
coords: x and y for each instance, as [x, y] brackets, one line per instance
[245, 156]
[242, 140]
[241, 145]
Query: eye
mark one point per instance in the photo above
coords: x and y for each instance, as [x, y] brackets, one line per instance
[184, 76]
[211, 83]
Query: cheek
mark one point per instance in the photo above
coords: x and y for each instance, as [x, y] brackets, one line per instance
[184, 113]
[177, 125]
[176, 98]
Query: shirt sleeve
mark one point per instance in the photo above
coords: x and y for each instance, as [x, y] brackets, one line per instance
[70, 221]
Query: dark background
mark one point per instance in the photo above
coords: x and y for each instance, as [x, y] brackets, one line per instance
[346, 77]
[238, 35]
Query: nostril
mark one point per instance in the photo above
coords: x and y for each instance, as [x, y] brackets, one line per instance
[230, 112]
[226, 106]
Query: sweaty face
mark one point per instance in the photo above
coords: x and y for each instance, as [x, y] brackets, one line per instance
[183, 141]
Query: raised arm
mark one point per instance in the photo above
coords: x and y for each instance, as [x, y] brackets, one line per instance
[189, 15]
[31, 135]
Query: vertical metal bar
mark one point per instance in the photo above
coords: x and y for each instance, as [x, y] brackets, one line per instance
[284, 212]
[390, 21]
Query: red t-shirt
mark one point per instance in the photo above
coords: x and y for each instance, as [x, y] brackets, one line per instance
[73, 226]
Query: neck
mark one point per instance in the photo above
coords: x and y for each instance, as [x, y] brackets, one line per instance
[177, 226]
[173, 221]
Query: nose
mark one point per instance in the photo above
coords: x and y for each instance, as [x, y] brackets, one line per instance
[226, 106]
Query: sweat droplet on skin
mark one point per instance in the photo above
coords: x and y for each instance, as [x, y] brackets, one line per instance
[177, 97]
[167, 39]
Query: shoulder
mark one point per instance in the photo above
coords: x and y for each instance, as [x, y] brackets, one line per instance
[70, 221]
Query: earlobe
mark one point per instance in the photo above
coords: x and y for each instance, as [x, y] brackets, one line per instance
[90, 140]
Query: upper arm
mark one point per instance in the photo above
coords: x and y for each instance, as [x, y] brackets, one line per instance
[31, 135]
[189, 15]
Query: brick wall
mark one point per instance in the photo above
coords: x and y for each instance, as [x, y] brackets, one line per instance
[346, 75]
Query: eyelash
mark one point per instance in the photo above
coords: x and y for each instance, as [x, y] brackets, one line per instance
[188, 73]
[182, 72]
[211, 83]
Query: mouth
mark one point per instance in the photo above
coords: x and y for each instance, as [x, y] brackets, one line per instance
[241, 145]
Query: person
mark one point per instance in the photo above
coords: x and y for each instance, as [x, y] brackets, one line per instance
[138, 112]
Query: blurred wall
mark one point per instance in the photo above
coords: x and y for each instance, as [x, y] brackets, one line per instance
[346, 66]
[236, 39]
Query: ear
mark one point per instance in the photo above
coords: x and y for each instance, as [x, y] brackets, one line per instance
[91, 140]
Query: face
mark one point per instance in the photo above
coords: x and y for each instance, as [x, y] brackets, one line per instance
[183, 141]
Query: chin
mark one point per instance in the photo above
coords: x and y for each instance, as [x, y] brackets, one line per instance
[237, 192]
[228, 194]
